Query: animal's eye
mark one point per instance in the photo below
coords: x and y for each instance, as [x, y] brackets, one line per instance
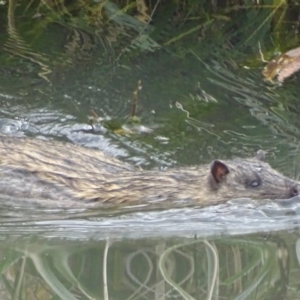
[255, 183]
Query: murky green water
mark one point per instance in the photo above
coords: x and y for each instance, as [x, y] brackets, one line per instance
[204, 105]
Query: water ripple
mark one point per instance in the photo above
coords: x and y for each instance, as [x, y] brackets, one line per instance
[236, 217]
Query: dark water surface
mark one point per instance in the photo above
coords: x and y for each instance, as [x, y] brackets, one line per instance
[204, 106]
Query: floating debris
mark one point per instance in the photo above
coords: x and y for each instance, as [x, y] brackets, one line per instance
[133, 117]
[131, 126]
[283, 66]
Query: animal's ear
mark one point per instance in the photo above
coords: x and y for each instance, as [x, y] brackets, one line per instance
[260, 155]
[218, 170]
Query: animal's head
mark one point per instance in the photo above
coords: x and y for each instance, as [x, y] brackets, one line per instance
[251, 178]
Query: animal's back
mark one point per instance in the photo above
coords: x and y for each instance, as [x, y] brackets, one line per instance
[51, 156]
[33, 168]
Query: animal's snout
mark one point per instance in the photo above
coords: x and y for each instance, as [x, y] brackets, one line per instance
[295, 190]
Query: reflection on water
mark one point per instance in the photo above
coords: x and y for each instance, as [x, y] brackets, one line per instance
[256, 267]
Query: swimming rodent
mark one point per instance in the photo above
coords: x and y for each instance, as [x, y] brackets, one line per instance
[51, 170]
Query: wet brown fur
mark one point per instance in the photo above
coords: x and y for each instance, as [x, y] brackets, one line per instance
[49, 170]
